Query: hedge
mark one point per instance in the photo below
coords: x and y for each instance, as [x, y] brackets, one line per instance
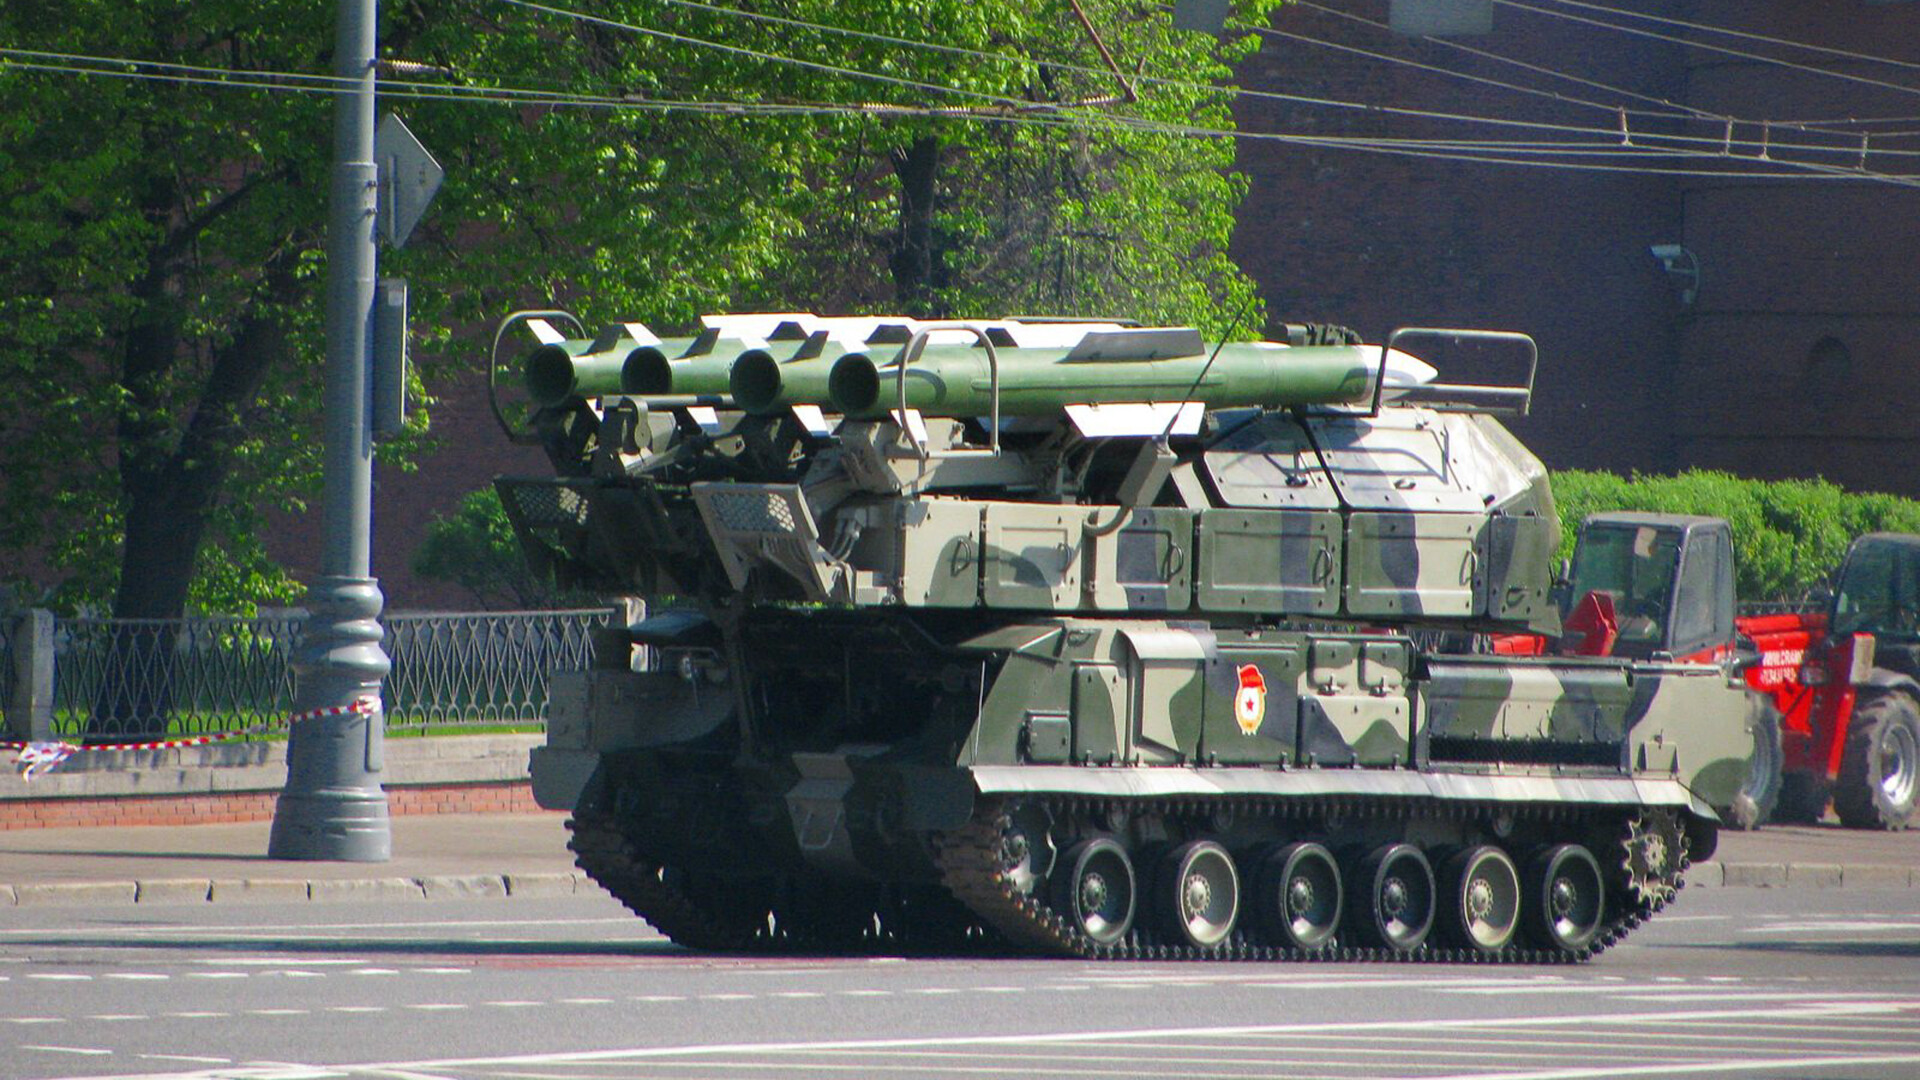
[1788, 535]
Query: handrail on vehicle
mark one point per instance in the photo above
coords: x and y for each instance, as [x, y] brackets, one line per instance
[1461, 397]
[493, 365]
[916, 345]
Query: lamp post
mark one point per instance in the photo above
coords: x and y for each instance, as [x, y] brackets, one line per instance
[333, 806]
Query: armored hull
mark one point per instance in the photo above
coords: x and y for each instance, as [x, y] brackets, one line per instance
[1121, 679]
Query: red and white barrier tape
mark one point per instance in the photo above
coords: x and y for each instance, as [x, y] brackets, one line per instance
[43, 757]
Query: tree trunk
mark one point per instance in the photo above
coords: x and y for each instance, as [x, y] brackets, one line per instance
[168, 494]
[913, 261]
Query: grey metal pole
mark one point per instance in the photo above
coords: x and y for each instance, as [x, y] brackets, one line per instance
[333, 806]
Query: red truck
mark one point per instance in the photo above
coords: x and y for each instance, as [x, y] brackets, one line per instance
[1834, 691]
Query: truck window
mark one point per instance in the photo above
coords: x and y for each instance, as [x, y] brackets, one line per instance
[1879, 591]
[1634, 567]
[1703, 605]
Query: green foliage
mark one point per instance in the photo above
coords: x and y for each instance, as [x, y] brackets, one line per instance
[161, 242]
[476, 550]
[1788, 535]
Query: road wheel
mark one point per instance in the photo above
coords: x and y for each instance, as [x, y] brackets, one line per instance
[1480, 899]
[1094, 889]
[1393, 893]
[1880, 768]
[1565, 898]
[1299, 897]
[1199, 893]
[1803, 799]
[1760, 791]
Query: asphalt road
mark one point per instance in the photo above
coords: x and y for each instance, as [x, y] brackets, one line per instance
[1728, 982]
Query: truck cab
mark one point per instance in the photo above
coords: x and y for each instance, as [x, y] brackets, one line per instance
[1651, 586]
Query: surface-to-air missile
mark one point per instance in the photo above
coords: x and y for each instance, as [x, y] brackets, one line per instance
[1111, 642]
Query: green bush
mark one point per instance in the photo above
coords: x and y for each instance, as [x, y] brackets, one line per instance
[1788, 535]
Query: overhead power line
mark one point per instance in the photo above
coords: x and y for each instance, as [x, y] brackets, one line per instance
[1673, 108]
[1845, 54]
[1546, 153]
[1721, 49]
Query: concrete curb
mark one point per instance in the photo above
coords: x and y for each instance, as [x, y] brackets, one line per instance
[1715, 875]
[288, 891]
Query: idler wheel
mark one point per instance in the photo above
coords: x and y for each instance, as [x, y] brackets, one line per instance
[1393, 898]
[1480, 907]
[1299, 896]
[1094, 890]
[1200, 893]
[1565, 898]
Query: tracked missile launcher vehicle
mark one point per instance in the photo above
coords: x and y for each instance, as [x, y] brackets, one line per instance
[1089, 639]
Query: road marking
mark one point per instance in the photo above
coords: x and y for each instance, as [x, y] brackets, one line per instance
[36, 1019]
[727, 997]
[437, 1006]
[276, 961]
[659, 997]
[197, 1015]
[356, 1008]
[1747, 995]
[66, 1049]
[60, 976]
[134, 975]
[1856, 926]
[1733, 1065]
[119, 1016]
[1820, 1015]
[277, 1012]
[799, 994]
[586, 1001]
[185, 1057]
[376, 971]
[219, 975]
[516, 1004]
[866, 993]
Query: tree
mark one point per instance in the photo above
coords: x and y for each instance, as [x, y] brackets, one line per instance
[160, 249]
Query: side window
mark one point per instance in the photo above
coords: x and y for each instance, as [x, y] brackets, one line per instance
[1725, 598]
[1695, 614]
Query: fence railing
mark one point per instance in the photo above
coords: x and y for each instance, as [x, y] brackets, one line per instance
[116, 680]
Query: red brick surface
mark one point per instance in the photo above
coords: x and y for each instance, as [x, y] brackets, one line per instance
[499, 798]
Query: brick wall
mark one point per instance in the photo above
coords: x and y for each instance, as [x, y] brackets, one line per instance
[1746, 377]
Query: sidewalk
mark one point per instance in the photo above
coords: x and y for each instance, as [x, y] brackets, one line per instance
[438, 856]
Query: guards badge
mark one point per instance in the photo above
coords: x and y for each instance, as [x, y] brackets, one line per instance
[1250, 703]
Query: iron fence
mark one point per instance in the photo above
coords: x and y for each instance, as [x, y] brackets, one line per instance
[131, 679]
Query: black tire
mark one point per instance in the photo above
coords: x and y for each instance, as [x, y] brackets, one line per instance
[1565, 900]
[1391, 898]
[1880, 768]
[1094, 889]
[1480, 901]
[1199, 894]
[1298, 900]
[1803, 799]
[1759, 793]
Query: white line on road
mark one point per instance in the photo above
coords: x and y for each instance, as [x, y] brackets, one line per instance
[1817, 1013]
[66, 1049]
[1739, 1067]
